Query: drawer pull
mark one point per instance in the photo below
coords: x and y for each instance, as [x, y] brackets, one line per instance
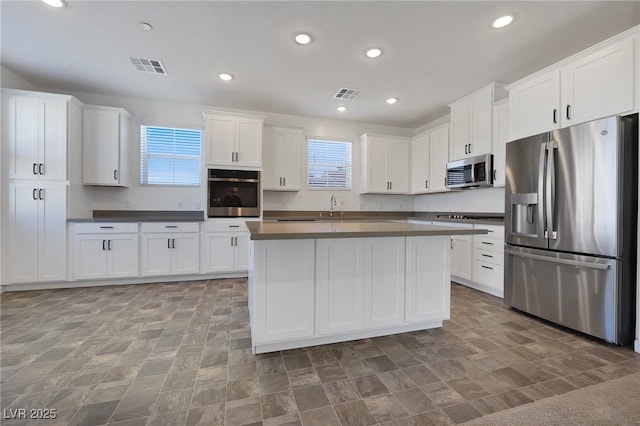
[171, 226]
[487, 243]
[486, 255]
[234, 226]
[487, 267]
[106, 227]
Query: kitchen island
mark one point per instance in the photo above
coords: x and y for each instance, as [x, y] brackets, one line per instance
[314, 283]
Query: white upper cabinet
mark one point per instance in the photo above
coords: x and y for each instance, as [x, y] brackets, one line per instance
[429, 156]
[471, 123]
[105, 137]
[385, 164]
[35, 134]
[593, 84]
[500, 139]
[233, 140]
[281, 159]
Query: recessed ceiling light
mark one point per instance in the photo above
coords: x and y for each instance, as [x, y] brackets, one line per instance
[502, 21]
[225, 76]
[55, 3]
[373, 53]
[341, 108]
[302, 38]
[146, 26]
[391, 101]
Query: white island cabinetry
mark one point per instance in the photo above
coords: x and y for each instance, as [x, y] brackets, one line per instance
[346, 281]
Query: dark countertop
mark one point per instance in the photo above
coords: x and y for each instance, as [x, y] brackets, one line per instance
[101, 216]
[301, 215]
[348, 229]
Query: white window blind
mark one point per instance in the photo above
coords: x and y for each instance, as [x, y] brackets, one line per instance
[329, 164]
[169, 156]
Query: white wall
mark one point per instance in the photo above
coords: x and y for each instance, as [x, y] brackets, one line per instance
[489, 200]
[10, 79]
[154, 112]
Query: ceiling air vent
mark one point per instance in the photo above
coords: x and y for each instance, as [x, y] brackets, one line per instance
[347, 94]
[153, 66]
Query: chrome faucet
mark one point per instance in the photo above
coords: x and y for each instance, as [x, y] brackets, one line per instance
[332, 204]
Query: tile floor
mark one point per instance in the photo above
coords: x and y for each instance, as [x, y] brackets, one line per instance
[179, 354]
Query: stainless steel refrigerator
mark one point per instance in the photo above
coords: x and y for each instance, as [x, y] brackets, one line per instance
[570, 226]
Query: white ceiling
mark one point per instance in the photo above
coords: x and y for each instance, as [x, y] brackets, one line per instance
[434, 52]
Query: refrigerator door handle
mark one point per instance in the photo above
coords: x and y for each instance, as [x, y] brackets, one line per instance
[576, 263]
[542, 221]
[550, 192]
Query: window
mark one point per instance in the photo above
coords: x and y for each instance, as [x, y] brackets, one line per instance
[329, 164]
[169, 156]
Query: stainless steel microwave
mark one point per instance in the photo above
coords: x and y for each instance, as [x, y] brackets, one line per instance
[233, 193]
[472, 172]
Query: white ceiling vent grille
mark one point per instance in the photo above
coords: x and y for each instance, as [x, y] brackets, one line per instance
[153, 66]
[347, 94]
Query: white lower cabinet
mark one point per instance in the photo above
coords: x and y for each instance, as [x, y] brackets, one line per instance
[225, 247]
[461, 251]
[104, 250]
[283, 290]
[427, 266]
[36, 233]
[488, 260]
[170, 248]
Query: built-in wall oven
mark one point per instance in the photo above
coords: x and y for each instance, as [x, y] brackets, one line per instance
[233, 193]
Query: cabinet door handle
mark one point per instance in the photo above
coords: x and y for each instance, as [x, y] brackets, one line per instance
[568, 112]
[445, 181]
[40, 194]
[115, 175]
[231, 241]
[494, 174]
[391, 185]
[486, 267]
[469, 148]
[34, 168]
[489, 244]
[465, 148]
[173, 243]
[487, 255]
[234, 226]
[426, 184]
[235, 241]
[35, 193]
[555, 116]
[103, 245]
[284, 181]
[41, 169]
[108, 244]
[168, 243]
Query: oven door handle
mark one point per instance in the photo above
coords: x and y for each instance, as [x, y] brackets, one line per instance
[234, 180]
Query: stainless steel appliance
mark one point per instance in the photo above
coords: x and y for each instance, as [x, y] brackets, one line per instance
[233, 193]
[472, 172]
[570, 226]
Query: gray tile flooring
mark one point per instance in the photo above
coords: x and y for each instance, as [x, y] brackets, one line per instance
[179, 354]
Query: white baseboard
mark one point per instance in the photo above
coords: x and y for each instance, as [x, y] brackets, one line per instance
[119, 281]
[636, 346]
[260, 348]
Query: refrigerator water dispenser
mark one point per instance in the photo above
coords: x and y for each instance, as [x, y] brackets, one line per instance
[524, 211]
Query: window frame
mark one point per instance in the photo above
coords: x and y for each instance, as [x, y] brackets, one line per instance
[173, 156]
[335, 140]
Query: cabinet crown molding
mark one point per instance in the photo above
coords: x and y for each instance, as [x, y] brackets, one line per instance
[498, 88]
[108, 108]
[208, 113]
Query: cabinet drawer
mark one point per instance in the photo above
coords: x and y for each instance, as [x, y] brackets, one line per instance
[170, 227]
[224, 225]
[495, 231]
[105, 228]
[484, 242]
[488, 274]
[489, 256]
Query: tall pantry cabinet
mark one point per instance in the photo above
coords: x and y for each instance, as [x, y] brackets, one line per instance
[36, 129]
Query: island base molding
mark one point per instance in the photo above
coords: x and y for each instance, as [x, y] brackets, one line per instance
[118, 281]
[336, 338]
[498, 292]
